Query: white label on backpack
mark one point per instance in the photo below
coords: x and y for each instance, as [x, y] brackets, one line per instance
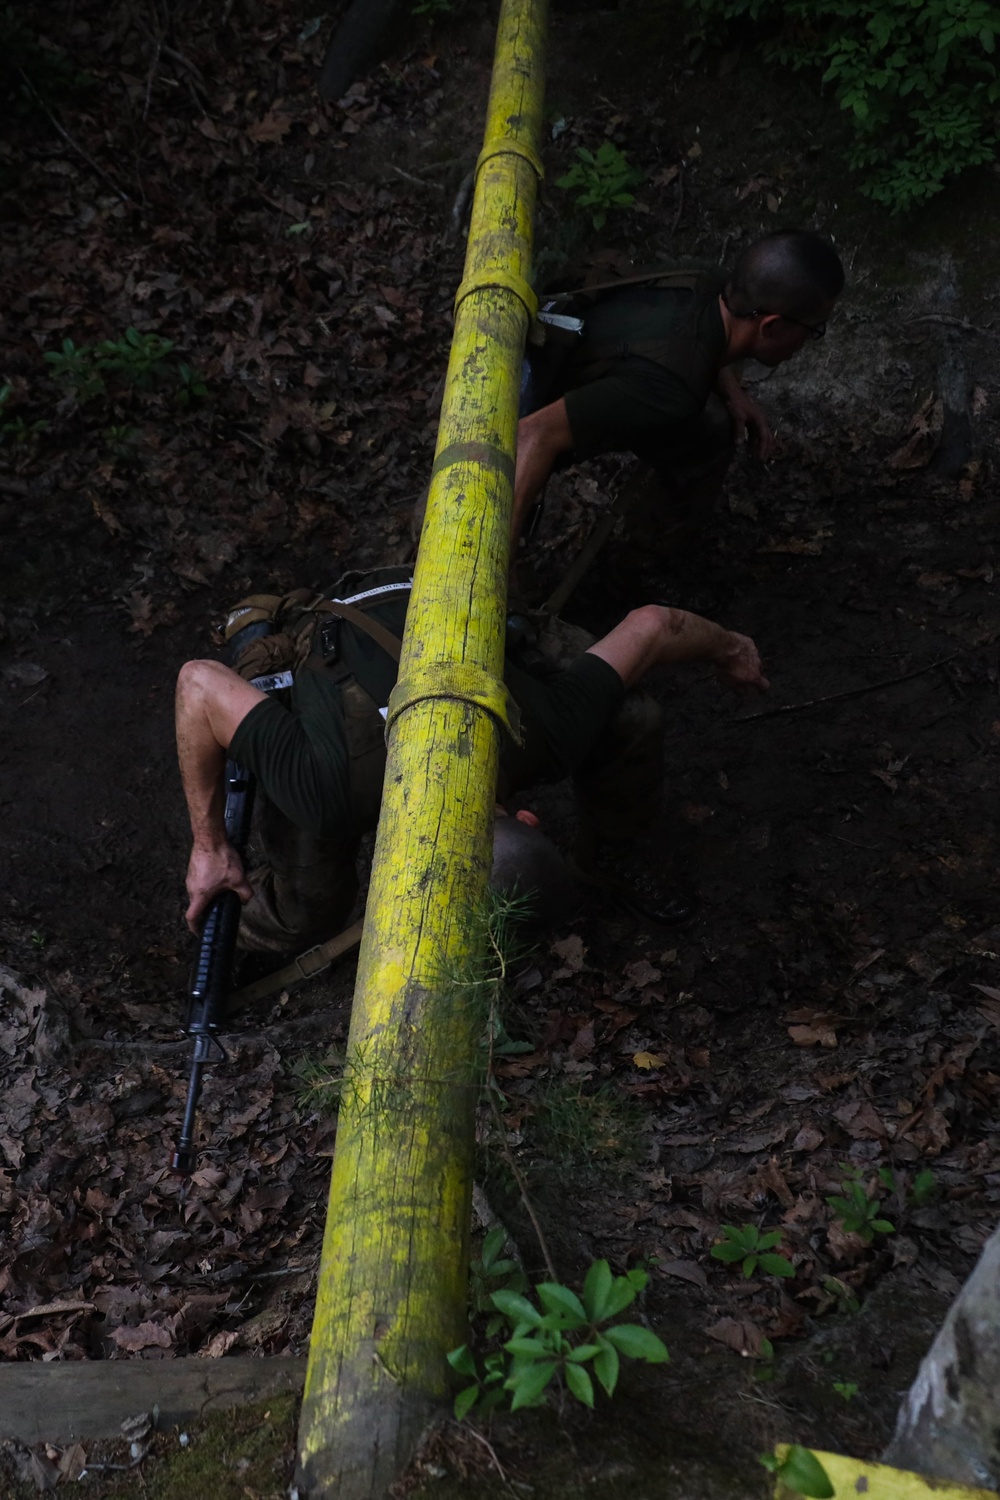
[273, 682]
[385, 588]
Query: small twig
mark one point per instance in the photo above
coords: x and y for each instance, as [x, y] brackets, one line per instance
[680, 202]
[436, 187]
[154, 65]
[874, 687]
[471, 1431]
[185, 62]
[74, 144]
[841, 840]
[522, 1187]
[380, 1362]
[949, 322]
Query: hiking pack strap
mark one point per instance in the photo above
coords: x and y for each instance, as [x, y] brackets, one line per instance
[250, 611]
[682, 280]
[390, 643]
[268, 607]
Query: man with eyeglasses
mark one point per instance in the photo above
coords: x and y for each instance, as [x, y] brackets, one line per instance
[653, 371]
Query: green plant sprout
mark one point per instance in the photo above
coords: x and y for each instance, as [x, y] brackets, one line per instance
[917, 78]
[604, 180]
[848, 1389]
[922, 1189]
[800, 1471]
[558, 1335]
[191, 386]
[753, 1249]
[17, 431]
[320, 1082]
[137, 358]
[857, 1211]
[493, 1266]
[73, 366]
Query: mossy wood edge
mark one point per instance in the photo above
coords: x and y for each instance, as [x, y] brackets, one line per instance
[63, 1403]
[853, 1477]
[391, 1298]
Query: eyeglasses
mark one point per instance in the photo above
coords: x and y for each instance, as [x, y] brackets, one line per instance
[813, 330]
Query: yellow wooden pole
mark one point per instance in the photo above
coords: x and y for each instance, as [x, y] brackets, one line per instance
[850, 1477]
[392, 1285]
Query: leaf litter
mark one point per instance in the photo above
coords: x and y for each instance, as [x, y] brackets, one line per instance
[847, 1015]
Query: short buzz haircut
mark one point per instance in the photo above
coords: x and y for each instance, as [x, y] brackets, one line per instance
[791, 271]
[528, 868]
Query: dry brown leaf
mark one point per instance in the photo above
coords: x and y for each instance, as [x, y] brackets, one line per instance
[583, 1043]
[649, 1060]
[738, 1334]
[147, 1336]
[571, 951]
[925, 434]
[72, 1463]
[273, 127]
[771, 1177]
[684, 1270]
[808, 1139]
[641, 973]
[861, 1122]
[820, 1034]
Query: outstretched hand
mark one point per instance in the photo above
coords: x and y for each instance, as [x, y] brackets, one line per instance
[738, 665]
[209, 872]
[750, 421]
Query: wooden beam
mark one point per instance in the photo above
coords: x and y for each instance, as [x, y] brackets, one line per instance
[59, 1403]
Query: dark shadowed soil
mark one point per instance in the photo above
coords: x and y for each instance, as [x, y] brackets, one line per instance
[832, 1003]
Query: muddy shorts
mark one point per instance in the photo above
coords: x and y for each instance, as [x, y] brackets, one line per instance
[564, 713]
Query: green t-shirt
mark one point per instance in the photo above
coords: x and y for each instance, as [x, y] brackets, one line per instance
[300, 754]
[620, 399]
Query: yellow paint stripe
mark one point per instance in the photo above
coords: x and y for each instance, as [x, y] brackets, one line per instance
[852, 1477]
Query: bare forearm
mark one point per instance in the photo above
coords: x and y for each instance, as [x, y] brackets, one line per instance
[202, 761]
[658, 635]
[541, 437]
[688, 637]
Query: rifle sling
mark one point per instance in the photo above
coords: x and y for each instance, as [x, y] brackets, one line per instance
[308, 964]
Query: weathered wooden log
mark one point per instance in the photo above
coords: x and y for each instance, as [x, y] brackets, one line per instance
[949, 1423]
[391, 1299]
[61, 1403]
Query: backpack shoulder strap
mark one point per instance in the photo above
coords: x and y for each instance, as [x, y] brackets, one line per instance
[390, 643]
[682, 280]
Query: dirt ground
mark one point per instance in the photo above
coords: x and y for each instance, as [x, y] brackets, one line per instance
[832, 1003]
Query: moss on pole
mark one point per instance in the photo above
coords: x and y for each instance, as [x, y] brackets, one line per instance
[391, 1298]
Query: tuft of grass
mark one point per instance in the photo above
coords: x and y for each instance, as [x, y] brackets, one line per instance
[578, 1124]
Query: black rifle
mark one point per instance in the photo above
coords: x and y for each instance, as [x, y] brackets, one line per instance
[213, 970]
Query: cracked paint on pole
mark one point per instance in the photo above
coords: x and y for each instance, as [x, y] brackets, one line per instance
[391, 1298]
